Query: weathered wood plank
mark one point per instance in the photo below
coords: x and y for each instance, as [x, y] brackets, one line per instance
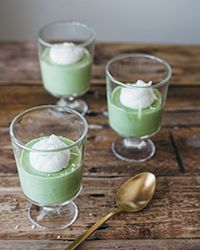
[100, 135]
[179, 244]
[108, 165]
[170, 119]
[173, 215]
[179, 97]
[19, 61]
[188, 144]
[99, 142]
[173, 212]
[181, 109]
[165, 162]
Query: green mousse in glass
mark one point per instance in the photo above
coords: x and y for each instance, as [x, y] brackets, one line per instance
[66, 80]
[134, 122]
[51, 188]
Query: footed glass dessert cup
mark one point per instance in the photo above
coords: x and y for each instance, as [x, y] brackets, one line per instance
[66, 52]
[137, 87]
[48, 144]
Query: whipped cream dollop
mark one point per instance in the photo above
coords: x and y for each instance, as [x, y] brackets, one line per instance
[52, 161]
[137, 98]
[66, 53]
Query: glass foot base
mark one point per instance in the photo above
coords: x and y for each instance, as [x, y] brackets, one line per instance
[133, 149]
[53, 218]
[78, 105]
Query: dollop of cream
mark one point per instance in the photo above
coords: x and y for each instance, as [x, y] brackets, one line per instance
[49, 162]
[137, 98]
[66, 53]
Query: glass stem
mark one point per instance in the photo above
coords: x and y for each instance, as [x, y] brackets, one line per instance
[70, 99]
[134, 142]
[66, 101]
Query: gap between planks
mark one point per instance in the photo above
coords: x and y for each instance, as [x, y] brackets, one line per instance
[176, 153]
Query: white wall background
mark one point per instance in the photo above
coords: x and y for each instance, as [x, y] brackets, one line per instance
[147, 21]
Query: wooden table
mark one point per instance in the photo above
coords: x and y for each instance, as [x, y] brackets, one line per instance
[172, 220]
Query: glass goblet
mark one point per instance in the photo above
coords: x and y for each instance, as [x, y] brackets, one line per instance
[66, 52]
[137, 86]
[48, 144]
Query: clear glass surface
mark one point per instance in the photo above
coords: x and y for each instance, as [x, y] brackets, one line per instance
[70, 81]
[51, 193]
[135, 112]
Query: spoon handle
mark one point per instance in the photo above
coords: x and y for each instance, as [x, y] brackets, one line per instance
[93, 228]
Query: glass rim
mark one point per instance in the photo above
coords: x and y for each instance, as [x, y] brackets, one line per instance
[83, 44]
[155, 58]
[22, 145]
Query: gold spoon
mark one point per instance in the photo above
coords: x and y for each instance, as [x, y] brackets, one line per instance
[132, 196]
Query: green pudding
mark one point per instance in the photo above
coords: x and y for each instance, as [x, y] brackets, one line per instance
[134, 122]
[66, 80]
[55, 188]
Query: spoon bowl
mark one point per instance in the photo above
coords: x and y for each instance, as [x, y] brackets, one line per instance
[136, 192]
[132, 196]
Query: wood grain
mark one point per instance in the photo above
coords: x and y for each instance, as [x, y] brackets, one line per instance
[188, 144]
[172, 220]
[173, 212]
[181, 109]
[99, 142]
[178, 99]
[171, 244]
[19, 61]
